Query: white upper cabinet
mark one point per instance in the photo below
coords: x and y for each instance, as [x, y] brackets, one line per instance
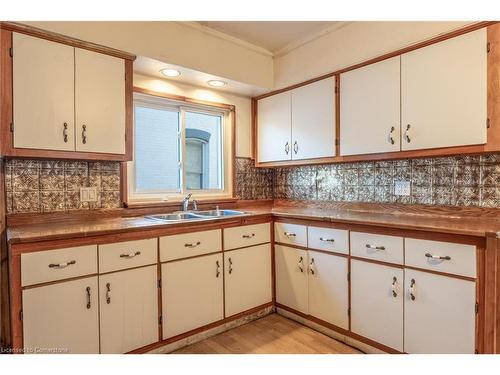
[100, 102]
[370, 108]
[443, 93]
[43, 94]
[313, 120]
[274, 128]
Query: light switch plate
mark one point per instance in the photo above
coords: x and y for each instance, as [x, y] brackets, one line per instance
[88, 194]
[402, 187]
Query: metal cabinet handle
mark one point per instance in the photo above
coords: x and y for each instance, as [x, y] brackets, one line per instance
[437, 257]
[217, 270]
[295, 147]
[394, 287]
[65, 132]
[108, 293]
[289, 234]
[287, 148]
[407, 133]
[62, 265]
[88, 297]
[130, 255]
[248, 235]
[84, 133]
[301, 264]
[368, 246]
[311, 266]
[230, 270]
[412, 289]
[391, 138]
[327, 239]
[192, 244]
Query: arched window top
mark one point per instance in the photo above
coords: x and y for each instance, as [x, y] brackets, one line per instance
[201, 135]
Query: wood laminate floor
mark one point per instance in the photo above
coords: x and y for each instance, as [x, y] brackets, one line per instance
[272, 334]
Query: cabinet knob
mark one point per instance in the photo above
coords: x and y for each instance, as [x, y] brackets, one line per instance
[287, 148]
[230, 270]
[394, 287]
[84, 134]
[412, 289]
[311, 266]
[391, 132]
[88, 297]
[301, 264]
[407, 133]
[108, 293]
[217, 270]
[65, 132]
[295, 147]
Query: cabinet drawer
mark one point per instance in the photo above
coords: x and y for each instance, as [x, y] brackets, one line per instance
[246, 235]
[292, 234]
[446, 257]
[44, 266]
[377, 247]
[328, 239]
[129, 254]
[190, 244]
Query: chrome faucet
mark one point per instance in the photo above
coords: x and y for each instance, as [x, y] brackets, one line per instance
[185, 202]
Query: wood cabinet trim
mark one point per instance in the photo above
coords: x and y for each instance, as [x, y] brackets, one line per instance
[59, 38]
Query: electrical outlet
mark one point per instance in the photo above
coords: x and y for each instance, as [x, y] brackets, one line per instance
[88, 194]
[402, 187]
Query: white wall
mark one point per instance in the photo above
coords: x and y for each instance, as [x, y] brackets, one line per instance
[353, 43]
[175, 43]
[243, 105]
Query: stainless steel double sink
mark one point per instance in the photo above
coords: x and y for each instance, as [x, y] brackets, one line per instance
[195, 215]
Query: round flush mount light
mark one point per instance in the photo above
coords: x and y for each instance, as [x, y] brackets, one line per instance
[216, 83]
[170, 72]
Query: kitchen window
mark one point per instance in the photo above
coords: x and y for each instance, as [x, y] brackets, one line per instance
[179, 148]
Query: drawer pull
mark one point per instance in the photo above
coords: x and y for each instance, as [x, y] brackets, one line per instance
[62, 265]
[368, 246]
[437, 257]
[311, 266]
[412, 289]
[84, 134]
[394, 287]
[248, 235]
[230, 266]
[217, 271]
[301, 264]
[289, 234]
[130, 255]
[191, 245]
[327, 239]
[108, 293]
[88, 297]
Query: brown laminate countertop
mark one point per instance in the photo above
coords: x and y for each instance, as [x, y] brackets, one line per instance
[477, 225]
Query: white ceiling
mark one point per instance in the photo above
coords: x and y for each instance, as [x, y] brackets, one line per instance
[274, 36]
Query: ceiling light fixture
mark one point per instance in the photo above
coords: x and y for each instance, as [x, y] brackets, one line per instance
[170, 72]
[216, 83]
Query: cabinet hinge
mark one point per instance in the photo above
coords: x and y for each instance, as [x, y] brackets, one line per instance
[21, 315]
[12, 127]
[11, 52]
[488, 47]
[477, 307]
[488, 123]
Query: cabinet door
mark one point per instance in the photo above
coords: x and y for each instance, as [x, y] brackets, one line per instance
[62, 317]
[377, 303]
[291, 277]
[247, 278]
[441, 317]
[313, 120]
[443, 93]
[99, 102]
[43, 94]
[328, 288]
[192, 294]
[370, 108]
[274, 128]
[129, 309]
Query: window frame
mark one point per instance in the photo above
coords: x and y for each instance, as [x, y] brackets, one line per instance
[227, 152]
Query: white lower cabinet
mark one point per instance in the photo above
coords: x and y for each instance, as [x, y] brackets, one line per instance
[377, 303]
[291, 277]
[192, 293]
[328, 288]
[439, 314]
[62, 317]
[247, 278]
[129, 309]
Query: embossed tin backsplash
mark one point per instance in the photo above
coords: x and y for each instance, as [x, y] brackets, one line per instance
[54, 185]
[454, 181]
